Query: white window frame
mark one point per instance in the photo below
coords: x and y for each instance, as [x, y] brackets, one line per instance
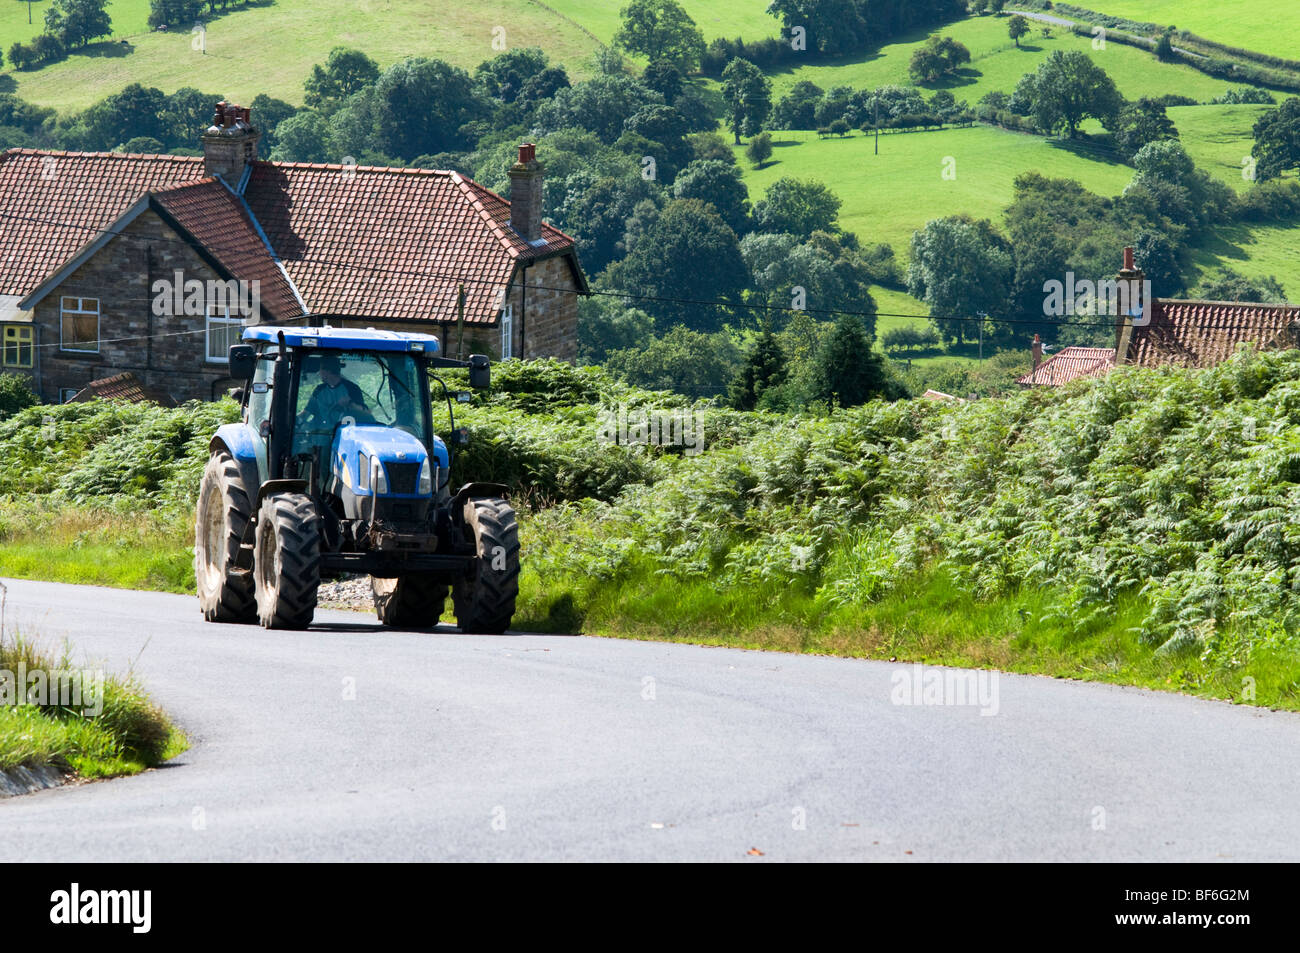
[13, 338]
[81, 309]
[219, 316]
[508, 332]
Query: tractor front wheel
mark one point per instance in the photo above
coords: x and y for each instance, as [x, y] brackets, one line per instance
[287, 561]
[223, 512]
[484, 601]
[412, 601]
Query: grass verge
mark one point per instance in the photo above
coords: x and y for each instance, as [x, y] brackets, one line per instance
[928, 619]
[78, 720]
[93, 547]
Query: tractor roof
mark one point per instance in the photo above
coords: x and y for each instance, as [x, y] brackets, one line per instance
[344, 339]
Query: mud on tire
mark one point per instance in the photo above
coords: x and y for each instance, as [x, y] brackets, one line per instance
[223, 512]
[485, 601]
[286, 565]
[412, 601]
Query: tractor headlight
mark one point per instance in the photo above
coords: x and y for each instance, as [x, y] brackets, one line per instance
[380, 479]
[426, 478]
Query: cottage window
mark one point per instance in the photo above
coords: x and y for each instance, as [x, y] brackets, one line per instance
[507, 331]
[17, 348]
[223, 331]
[79, 325]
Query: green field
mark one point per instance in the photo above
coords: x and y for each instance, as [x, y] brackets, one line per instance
[890, 304]
[272, 49]
[1218, 138]
[726, 18]
[890, 195]
[1261, 25]
[1257, 250]
[996, 63]
[129, 18]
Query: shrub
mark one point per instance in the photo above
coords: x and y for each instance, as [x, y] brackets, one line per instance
[15, 394]
[1245, 94]
[1274, 200]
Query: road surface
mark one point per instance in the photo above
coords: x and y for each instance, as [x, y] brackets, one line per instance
[526, 747]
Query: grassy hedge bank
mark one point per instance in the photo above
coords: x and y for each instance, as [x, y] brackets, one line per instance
[1143, 527]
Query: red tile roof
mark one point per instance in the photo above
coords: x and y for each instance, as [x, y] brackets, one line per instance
[214, 217]
[1070, 363]
[391, 243]
[122, 387]
[1203, 333]
[53, 203]
[381, 243]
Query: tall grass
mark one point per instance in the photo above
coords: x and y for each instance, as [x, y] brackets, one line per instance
[129, 734]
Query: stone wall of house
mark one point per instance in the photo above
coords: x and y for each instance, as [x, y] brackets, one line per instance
[165, 352]
[549, 310]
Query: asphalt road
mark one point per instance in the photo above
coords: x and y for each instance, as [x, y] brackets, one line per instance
[526, 747]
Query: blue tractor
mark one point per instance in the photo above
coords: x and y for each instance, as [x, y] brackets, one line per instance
[336, 469]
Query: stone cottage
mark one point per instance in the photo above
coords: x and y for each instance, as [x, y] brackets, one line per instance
[153, 264]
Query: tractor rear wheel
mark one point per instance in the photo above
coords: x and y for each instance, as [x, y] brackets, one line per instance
[223, 512]
[286, 565]
[485, 601]
[412, 601]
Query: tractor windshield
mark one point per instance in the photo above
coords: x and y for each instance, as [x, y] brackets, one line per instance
[363, 387]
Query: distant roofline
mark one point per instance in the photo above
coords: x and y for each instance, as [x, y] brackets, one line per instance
[1289, 306]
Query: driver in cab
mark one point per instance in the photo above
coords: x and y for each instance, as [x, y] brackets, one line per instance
[335, 397]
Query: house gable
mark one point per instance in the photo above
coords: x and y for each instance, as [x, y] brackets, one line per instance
[166, 352]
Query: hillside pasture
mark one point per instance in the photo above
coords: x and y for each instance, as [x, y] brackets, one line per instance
[272, 49]
[997, 64]
[1259, 25]
[888, 196]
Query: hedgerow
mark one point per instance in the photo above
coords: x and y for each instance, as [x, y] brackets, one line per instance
[1180, 488]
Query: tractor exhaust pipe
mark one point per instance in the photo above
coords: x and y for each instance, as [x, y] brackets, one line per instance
[281, 413]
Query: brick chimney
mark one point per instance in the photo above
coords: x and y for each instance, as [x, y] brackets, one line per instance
[230, 143]
[1123, 322]
[1037, 350]
[526, 178]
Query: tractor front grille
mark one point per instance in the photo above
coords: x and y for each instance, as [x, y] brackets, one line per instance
[402, 477]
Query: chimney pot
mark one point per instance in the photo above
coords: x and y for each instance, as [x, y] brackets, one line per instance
[1037, 350]
[1128, 258]
[231, 143]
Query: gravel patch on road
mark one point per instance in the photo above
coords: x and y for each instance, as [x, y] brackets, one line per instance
[350, 592]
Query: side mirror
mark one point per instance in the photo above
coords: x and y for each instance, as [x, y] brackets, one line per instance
[480, 374]
[243, 361]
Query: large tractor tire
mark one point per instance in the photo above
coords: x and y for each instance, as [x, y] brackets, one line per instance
[222, 514]
[412, 601]
[286, 562]
[484, 602]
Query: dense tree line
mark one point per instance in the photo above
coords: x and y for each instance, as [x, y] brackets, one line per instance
[842, 27]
